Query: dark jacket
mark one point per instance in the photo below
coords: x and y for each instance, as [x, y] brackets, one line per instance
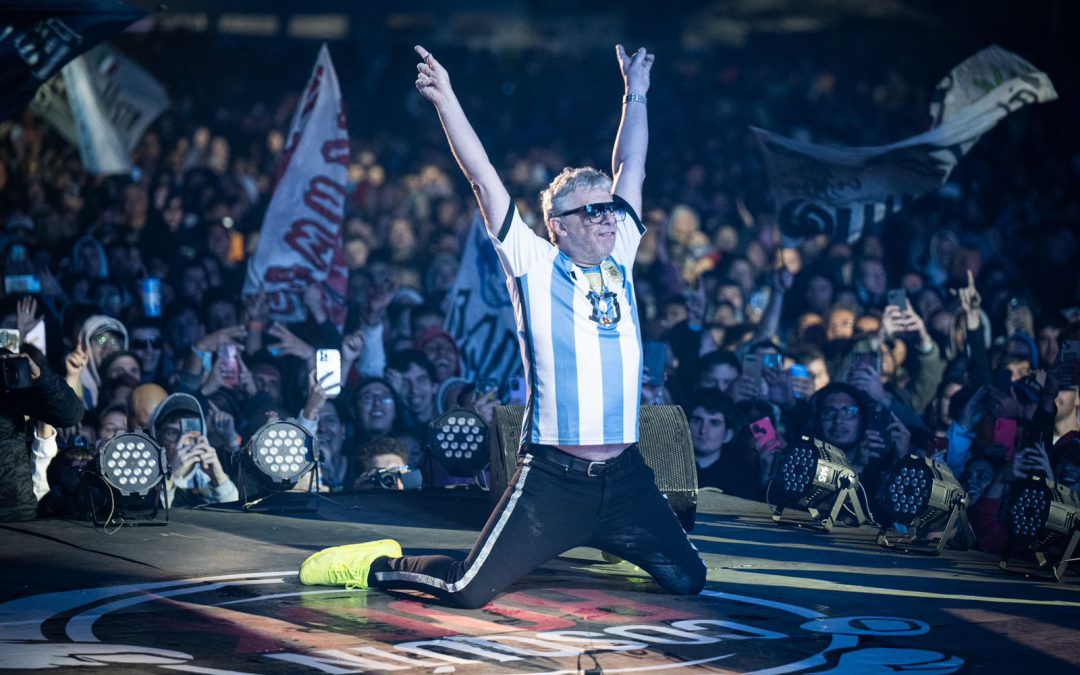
[50, 400]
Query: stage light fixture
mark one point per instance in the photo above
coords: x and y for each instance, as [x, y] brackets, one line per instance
[1042, 518]
[924, 497]
[284, 453]
[458, 440]
[816, 477]
[132, 465]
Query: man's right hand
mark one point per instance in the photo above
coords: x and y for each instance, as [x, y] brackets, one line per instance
[432, 81]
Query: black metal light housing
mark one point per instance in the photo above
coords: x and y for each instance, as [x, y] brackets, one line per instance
[923, 496]
[813, 475]
[1042, 517]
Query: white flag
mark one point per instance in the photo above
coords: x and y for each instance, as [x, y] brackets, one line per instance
[839, 191]
[129, 95]
[100, 147]
[300, 241]
[480, 316]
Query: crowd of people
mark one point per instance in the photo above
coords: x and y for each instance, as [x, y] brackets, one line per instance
[920, 338]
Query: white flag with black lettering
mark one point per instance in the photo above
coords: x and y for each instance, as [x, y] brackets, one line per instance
[100, 148]
[839, 191]
[129, 95]
[300, 242]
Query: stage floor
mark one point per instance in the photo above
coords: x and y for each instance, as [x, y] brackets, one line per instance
[216, 592]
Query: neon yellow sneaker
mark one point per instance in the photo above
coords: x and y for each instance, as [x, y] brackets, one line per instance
[346, 565]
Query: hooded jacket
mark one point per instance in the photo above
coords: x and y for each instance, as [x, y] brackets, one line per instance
[195, 488]
[91, 378]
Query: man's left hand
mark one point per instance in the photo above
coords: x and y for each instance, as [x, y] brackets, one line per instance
[635, 69]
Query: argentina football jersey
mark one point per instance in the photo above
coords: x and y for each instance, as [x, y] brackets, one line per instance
[579, 334]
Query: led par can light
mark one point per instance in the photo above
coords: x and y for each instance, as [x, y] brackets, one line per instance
[283, 451]
[132, 463]
[458, 440]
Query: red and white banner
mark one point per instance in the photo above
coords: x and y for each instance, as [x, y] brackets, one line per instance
[300, 241]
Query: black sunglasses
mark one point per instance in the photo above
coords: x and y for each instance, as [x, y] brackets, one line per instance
[596, 212]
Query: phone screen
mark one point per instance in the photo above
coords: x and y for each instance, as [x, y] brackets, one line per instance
[765, 437]
[22, 283]
[774, 361]
[866, 359]
[751, 366]
[328, 365]
[229, 360]
[1069, 375]
[10, 340]
[898, 297]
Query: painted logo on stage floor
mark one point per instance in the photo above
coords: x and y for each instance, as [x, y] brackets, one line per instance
[267, 622]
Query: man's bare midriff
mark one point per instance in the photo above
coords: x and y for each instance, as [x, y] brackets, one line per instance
[594, 453]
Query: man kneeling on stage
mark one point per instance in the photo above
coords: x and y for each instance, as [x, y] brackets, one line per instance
[580, 480]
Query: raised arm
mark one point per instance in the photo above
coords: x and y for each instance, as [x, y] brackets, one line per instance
[434, 84]
[632, 141]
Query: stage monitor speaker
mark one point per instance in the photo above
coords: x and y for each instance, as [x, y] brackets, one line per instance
[665, 445]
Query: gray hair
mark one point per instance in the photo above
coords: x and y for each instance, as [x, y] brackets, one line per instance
[553, 197]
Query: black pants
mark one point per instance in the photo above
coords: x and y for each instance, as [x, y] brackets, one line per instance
[551, 507]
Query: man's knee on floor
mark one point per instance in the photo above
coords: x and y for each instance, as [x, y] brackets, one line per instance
[683, 581]
[472, 598]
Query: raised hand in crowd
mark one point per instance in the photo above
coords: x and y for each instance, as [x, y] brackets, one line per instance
[317, 396]
[899, 437]
[206, 457]
[352, 347]
[1032, 461]
[26, 316]
[695, 303]
[288, 343]
[867, 380]
[247, 380]
[224, 425]
[872, 448]
[211, 342]
[779, 388]
[256, 316]
[50, 287]
[970, 302]
[74, 364]
[379, 297]
[745, 388]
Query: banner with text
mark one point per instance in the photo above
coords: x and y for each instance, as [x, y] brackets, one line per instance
[300, 241]
[130, 96]
[840, 191]
[480, 316]
[37, 37]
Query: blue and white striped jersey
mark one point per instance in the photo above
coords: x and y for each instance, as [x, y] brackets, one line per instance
[579, 334]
